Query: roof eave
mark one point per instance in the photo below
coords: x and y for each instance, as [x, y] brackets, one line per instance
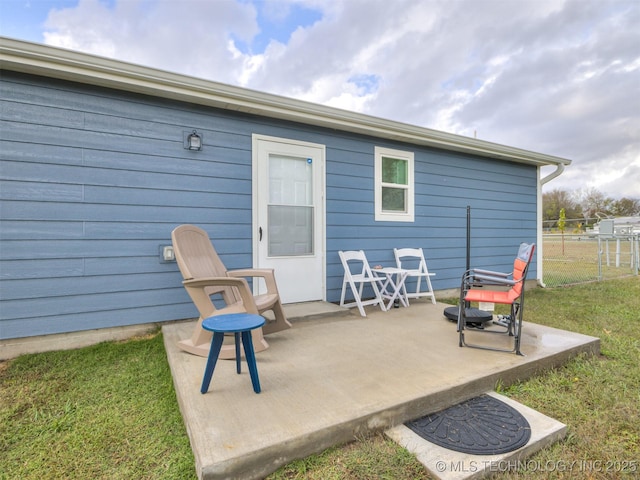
[64, 64]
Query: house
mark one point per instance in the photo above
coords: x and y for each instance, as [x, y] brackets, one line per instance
[96, 172]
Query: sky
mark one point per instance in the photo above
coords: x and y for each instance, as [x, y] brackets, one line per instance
[559, 77]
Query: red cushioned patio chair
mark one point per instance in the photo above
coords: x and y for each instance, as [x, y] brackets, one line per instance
[496, 287]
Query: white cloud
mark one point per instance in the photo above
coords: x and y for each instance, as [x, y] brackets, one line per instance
[192, 37]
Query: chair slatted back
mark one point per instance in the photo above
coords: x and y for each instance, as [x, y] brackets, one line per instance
[413, 258]
[358, 261]
[197, 259]
[520, 268]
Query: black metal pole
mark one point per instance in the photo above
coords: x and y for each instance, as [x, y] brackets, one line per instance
[468, 237]
[472, 315]
[468, 304]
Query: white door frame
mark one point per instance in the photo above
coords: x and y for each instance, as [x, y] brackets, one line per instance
[320, 222]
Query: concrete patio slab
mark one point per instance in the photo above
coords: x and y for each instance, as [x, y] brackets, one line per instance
[329, 380]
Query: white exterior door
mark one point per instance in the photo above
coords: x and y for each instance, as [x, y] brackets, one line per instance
[289, 217]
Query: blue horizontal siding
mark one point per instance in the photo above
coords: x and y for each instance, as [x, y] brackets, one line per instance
[90, 285]
[93, 181]
[90, 175]
[113, 317]
[502, 196]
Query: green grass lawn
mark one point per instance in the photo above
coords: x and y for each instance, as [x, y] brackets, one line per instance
[106, 411]
[109, 411]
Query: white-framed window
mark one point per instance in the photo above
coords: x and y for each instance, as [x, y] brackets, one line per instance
[394, 192]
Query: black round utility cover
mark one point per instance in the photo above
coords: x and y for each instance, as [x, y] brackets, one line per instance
[481, 426]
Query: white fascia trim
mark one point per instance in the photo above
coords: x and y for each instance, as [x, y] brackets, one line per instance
[540, 235]
[540, 231]
[65, 64]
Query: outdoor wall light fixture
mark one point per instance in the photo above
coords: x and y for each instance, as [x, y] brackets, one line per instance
[194, 141]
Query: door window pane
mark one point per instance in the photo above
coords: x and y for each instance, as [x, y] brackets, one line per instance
[290, 210]
[290, 181]
[290, 230]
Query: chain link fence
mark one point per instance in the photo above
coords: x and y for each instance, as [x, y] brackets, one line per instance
[571, 259]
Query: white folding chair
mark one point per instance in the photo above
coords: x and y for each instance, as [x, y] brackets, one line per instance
[414, 257]
[357, 281]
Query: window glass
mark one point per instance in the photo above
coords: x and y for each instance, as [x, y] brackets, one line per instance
[393, 199]
[394, 170]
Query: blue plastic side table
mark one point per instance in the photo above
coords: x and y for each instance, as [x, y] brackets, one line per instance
[240, 324]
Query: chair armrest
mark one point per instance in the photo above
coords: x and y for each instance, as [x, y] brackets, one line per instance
[490, 273]
[266, 273]
[215, 282]
[251, 272]
[491, 280]
[198, 286]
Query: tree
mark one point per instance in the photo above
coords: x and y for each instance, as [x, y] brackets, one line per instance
[562, 222]
[555, 200]
[594, 202]
[626, 207]
[587, 203]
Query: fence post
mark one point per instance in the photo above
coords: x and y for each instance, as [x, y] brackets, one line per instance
[636, 241]
[600, 257]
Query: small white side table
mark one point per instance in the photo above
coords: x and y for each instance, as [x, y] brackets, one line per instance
[393, 284]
